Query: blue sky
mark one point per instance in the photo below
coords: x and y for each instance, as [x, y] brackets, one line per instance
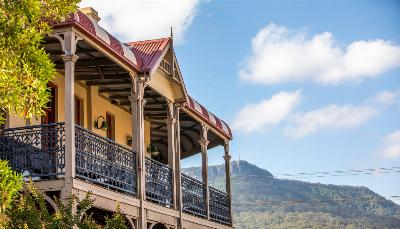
[323, 77]
[217, 45]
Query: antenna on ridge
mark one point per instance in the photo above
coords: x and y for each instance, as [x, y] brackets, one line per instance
[238, 163]
[172, 34]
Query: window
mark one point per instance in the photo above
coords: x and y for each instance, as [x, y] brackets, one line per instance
[110, 120]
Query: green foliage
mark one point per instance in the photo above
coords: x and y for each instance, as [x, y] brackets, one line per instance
[117, 221]
[27, 208]
[307, 220]
[10, 184]
[25, 68]
[66, 217]
[30, 211]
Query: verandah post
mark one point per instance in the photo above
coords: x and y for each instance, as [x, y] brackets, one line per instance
[171, 125]
[137, 105]
[204, 165]
[178, 189]
[69, 40]
[227, 158]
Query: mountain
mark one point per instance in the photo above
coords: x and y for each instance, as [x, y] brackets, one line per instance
[238, 169]
[262, 201]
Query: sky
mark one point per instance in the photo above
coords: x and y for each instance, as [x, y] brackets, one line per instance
[305, 85]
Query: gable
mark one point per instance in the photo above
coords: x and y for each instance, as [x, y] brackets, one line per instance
[157, 58]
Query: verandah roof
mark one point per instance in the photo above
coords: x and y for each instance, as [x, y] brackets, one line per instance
[142, 56]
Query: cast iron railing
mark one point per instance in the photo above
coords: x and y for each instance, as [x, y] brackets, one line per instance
[219, 206]
[158, 182]
[193, 196]
[104, 162]
[39, 151]
[35, 151]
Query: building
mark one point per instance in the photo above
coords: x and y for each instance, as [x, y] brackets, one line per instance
[119, 122]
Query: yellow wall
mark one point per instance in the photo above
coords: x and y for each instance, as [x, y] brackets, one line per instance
[15, 120]
[123, 126]
[93, 106]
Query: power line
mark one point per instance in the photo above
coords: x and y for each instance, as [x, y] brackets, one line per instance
[271, 202]
[342, 172]
[320, 174]
[375, 172]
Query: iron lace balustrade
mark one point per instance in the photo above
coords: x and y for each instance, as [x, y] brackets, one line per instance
[104, 162]
[193, 196]
[158, 182]
[219, 206]
[35, 151]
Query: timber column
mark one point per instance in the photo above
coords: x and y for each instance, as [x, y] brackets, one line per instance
[137, 105]
[178, 190]
[69, 41]
[204, 165]
[227, 158]
[171, 126]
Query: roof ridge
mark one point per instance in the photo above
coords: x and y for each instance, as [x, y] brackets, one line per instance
[148, 41]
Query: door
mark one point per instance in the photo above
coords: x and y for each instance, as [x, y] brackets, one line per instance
[45, 160]
[50, 110]
[110, 126]
[78, 111]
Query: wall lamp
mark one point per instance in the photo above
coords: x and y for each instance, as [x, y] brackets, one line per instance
[129, 140]
[102, 125]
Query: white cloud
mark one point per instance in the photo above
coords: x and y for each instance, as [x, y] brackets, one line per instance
[271, 111]
[330, 118]
[384, 97]
[391, 146]
[333, 116]
[282, 55]
[133, 20]
[281, 108]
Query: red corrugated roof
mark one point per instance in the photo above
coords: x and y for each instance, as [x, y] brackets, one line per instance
[91, 28]
[201, 112]
[148, 52]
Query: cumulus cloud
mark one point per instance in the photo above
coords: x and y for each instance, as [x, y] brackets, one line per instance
[253, 117]
[282, 108]
[133, 20]
[333, 116]
[391, 146]
[384, 97]
[283, 55]
[330, 117]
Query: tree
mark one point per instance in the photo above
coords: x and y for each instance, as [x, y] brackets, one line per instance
[27, 208]
[10, 184]
[117, 221]
[66, 218]
[25, 68]
[30, 211]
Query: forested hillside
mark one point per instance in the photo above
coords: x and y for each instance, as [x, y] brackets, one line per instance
[261, 201]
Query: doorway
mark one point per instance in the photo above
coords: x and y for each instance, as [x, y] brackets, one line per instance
[50, 110]
[110, 120]
[79, 111]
